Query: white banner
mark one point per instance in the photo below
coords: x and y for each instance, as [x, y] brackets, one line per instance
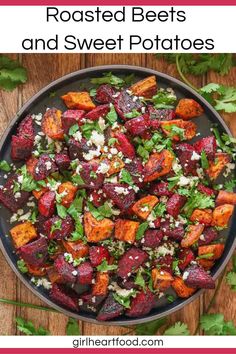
[117, 342]
[117, 29]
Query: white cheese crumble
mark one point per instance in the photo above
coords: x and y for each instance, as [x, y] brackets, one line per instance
[195, 156]
[103, 168]
[121, 190]
[97, 139]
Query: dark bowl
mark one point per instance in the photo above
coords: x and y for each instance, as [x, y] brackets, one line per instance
[78, 80]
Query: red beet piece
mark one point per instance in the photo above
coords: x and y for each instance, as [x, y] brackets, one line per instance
[138, 125]
[175, 204]
[142, 304]
[124, 145]
[78, 148]
[175, 232]
[160, 114]
[26, 128]
[97, 254]
[65, 227]
[44, 167]
[70, 118]
[92, 179]
[210, 234]
[152, 238]
[130, 261]
[105, 94]
[160, 189]
[97, 198]
[205, 190]
[184, 153]
[165, 263]
[62, 161]
[46, 204]
[65, 270]
[186, 256]
[35, 253]
[123, 201]
[110, 309]
[124, 104]
[8, 198]
[208, 145]
[99, 111]
[21, 148]
[197, 277]
[135, 168]
[85, 273]
[64, 296]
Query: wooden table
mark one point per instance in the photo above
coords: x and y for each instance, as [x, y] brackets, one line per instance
[42, 69]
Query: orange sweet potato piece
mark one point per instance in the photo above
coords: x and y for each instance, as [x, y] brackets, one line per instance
[115, 164]
[181, 289]
[23, 233]
[203, 216]
[145, 88]
[188, 108]
[100, 288]
[159, 164]
[31, 164]
[125, 230]
[78, 249]
[216, 250]
[161, 279]
[36, 271]
[189, 128]
[226, 198]
[192, 235]
[38, 194]
[52, 124]
[222, 214]
[68, 190]
[207, 264]
[216, 166]
[143, 207]
[54, 276]
[78, 100]
[97, 230]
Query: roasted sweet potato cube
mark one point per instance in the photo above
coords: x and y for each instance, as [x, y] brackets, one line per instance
[216, 166]
[115, 165]
[226, 198]
[97, 230]
[145, 88]
[100, 288]
[52, 124]
[68, 190]
[188, 108]
[181, 289]
[78, 249]
[38, 194]
[31, 164]
[161, 279]
[222, 214]
[159, 164]
[125, 230]
[189, 129]
[142, 304]
[206, 264]
[202, 216]
[78, 100]
[213, 252]
[143, 207]
[192, 235]
[23, 233]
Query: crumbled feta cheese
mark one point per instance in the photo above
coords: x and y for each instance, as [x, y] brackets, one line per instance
[77, 136]
[195, 156]
[103, 168]
[48, 165]
[92, 153]
[121, 190]
[114, 151]
[74, 272]
[97, 138]
[185, 275]
[101, 123]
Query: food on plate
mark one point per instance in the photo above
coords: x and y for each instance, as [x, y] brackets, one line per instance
[116, 198]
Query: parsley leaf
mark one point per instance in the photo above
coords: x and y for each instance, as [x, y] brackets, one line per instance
[198, 200]
[56, 226]
[21, 265]
[149, 328]
[104, 211]
[78, 234]
[61, 211]
[132, 114]
[141, 230]
[178, 329]
[139, 280]
[124, 300]
[159, 209]
[231, 276]
[223, 98]
[230, 185]
[4, 166]
[204, 160]
[29, 329]
[112, 116]
[87, 129]
[108, 78]
[76, 208]
[214, 324]
[73, 129]
[126, 177]
[93, 92]
[12, 73]
[105, 267]
[72, 327]
[175, 130]
[164, 99]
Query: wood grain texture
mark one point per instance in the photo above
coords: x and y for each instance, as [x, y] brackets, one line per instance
[42, 69]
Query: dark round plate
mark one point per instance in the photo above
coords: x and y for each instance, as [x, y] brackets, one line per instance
[76, 81]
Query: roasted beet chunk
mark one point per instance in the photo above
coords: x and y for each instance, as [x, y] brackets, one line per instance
[57, 228]
[45, 166]
[91, 303]
[65, 270]
[127, 284]
[196, 277]
[175, 232]
[26, 128]
[142, 304]
[85, 273]
[97, 198]
[130, 261]
[99, 111]
[92, 179]
[124, 145]
[97, 254]
[188, 158]
[62, 161]
[135, 168]
[160, 114]
[21, 148]
[46, 204]
[205, 190]
[123, 201]
[11, 200]
[65, 297]
[110, 309]
[138, 126]
[78, 148]
[70, 118]
[105, 94]
[208, 145]
[152, 238]
[35, 253]
[175, 204]
[125, 103]
[161, 189]
[165, 263]
[209, 235]
[186, 256]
